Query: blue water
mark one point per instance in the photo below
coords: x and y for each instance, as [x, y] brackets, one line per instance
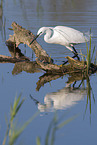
[54, 97]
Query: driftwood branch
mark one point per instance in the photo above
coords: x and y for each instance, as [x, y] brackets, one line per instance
[76, 69]
[21, 35]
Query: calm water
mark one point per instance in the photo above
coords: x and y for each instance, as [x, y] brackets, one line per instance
[33, 14]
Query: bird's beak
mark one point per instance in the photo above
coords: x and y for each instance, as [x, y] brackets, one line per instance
[35, 38]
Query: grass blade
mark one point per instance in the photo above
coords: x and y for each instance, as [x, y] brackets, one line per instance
[93, 53]
[19, 106]
[66, 121]
[38, 141]
[17, 132]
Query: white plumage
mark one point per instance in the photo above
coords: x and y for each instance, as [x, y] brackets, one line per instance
[63, 35]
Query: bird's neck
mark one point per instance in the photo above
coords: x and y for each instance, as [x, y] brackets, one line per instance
[48, 35]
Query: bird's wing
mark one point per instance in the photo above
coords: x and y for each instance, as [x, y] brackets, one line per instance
[62, 32]
[73, 36]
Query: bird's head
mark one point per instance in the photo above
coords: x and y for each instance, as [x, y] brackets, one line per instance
[41, 31]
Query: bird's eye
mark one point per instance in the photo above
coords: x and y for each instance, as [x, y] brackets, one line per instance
[40, 33]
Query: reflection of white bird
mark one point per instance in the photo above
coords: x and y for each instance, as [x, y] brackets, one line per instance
[64, 36]
[63, 99]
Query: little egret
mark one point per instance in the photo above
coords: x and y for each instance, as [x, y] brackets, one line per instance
[63, 35]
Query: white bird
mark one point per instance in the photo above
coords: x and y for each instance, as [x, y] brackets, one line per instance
[64, 36]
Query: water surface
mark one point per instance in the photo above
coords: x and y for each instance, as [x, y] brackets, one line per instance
[32, 15]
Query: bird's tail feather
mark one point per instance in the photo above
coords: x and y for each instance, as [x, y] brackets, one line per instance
[88, 35]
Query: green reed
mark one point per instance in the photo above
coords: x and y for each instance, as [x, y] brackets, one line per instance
[13, 131]
[54, 126]
[88, 58]
[90, 54]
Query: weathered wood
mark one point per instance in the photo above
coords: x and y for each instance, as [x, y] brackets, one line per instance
[21, 35]
[73, 66]
[27, 66]
[76, 63]
[8, 59]
[76, 69]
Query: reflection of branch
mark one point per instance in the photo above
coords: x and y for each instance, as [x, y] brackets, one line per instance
[46, 78]
[27, 66]
[75, 77]
[21, 64]
[49, 77]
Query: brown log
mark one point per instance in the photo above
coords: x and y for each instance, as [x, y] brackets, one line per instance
[27, 66]
[21, 35]
[77, 70]
[8, 59]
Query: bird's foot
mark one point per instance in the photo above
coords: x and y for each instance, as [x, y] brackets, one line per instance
[76, 55]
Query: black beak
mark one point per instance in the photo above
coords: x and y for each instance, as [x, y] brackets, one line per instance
[35, 38]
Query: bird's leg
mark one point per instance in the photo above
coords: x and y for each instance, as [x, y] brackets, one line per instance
[75, 52]
[76, 55]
